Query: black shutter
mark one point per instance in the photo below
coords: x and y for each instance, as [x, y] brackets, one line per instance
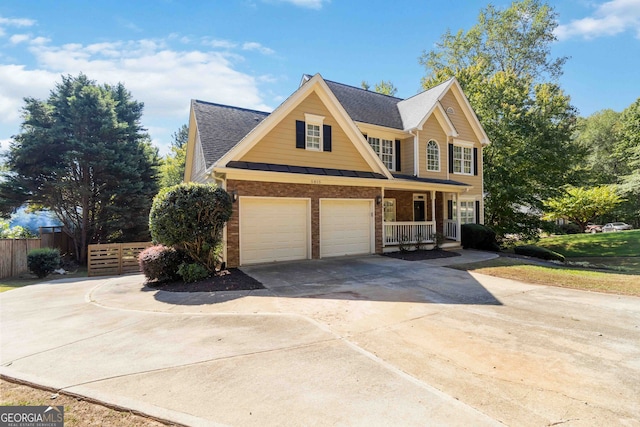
[365, 137]
[477, 212]
[449, 209]
[326, 138]
[398, 158]
[300, 134]
[475, 161]
[450, 159]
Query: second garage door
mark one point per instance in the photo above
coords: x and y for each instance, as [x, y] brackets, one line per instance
[273, 229]
[346, 227]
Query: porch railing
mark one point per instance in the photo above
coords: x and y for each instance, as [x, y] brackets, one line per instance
[408, 232]
[450, 229]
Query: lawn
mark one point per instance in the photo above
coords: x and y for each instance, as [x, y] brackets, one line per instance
[622, 244]
[530, 271]
[30, 279]
[605, 262]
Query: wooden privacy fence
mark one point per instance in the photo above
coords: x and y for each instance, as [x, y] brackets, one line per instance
[13, 256]
[114, 258]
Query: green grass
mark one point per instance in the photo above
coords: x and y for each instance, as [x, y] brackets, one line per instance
[622, 244]
[29, 279]
[531, 272]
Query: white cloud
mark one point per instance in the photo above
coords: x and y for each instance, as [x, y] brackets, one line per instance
[610, 18]
[19, 22]
[257, 47]
[19, 38]
[155, 72]
[311, 4]
[223, 44]
[4, 145]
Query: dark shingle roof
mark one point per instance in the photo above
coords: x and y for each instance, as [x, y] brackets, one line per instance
[368, 107]
[303, 170]
[221, 127]
[429, 180]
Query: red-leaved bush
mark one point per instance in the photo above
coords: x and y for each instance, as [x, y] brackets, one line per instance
[161, 262]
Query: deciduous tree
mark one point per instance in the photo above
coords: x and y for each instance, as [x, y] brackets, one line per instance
[172, 167]
[504, 65]
[582, 205]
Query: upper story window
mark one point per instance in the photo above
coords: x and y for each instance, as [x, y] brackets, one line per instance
[462, 160]
[385, 149]
[433, 156]
[313, 140]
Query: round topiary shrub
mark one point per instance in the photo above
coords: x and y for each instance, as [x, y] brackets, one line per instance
[191, 217]
[538, 252]
[43, 261]
[161, 263]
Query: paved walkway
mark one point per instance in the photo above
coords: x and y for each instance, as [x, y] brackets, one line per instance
[364, 340]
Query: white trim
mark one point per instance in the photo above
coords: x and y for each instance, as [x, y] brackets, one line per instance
[317, 84]
[372, 222]
[427, 156]
[309, 221]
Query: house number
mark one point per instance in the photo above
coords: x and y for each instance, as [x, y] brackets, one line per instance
[316, 181]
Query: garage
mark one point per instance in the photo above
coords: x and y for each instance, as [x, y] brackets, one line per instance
[346, 227]
[273, 229]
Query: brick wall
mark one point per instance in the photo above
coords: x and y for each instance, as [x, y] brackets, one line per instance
[404, 203]
[313, 192]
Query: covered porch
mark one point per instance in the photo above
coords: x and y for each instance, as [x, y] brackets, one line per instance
[415, 217]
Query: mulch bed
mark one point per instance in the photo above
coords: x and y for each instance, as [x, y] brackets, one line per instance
[231, 279]
[421, 255]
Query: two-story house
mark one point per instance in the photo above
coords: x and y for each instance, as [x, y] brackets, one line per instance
[338, 170]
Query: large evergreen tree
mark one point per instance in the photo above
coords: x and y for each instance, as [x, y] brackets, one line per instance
[505, 67]
[84, 155]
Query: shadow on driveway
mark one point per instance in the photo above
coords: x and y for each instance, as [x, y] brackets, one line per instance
[369, 278]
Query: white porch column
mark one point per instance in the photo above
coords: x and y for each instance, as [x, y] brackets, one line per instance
[458, 225]
[433, 211]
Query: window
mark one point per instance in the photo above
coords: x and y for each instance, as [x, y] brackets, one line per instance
[467, 212]
[313, 132]
[384, 148]
[389, 206]
[462, 160]
[433, 156]
[313, 137]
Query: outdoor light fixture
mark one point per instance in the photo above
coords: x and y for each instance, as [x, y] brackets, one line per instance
[234, 196]
[378, 200]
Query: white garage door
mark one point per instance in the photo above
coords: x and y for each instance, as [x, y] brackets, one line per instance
[273, 229]
[345, 227]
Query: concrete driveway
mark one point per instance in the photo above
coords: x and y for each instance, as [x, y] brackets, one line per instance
[351, 341]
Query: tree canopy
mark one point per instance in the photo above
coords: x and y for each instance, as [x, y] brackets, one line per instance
[384, 87]
[84, 155]
[582, 205]
[504, 65]
[173, 165]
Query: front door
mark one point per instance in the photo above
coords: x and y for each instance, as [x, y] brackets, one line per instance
[419, 207]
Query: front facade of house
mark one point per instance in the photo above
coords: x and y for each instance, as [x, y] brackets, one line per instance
[337, 170]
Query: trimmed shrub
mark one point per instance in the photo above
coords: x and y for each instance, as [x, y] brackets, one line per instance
[161, 263]
[538, 252]
[191, 217]
[478, 236]
[43, 261]
[192, 272]
[569, 228]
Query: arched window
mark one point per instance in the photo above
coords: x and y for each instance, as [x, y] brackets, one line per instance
[433, 156]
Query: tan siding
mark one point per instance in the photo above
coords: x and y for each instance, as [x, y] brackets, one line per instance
[459, 119]
[432, 130]
[279, 145]
[406, 154]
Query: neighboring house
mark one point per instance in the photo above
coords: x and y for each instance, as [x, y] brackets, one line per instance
[338, 170]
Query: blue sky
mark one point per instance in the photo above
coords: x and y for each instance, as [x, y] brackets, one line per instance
[252, 53]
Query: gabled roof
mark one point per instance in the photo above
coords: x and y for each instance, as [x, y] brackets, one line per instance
[222, 126]
[414, 110]
[367, 106]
